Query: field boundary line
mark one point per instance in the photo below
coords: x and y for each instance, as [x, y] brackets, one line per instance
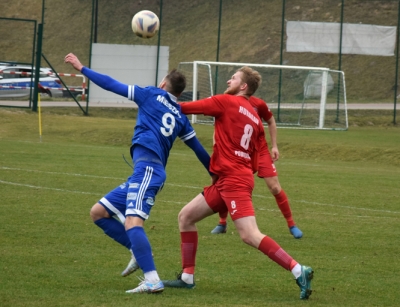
[46, 188]
[179, 185]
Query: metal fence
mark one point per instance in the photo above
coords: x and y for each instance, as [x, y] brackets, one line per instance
[210, 30]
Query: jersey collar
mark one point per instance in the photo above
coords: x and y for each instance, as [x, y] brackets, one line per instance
[173, 98]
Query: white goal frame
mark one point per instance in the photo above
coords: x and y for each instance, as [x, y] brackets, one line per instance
[321, 92]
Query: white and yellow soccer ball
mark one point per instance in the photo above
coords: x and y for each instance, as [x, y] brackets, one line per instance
[145, 24]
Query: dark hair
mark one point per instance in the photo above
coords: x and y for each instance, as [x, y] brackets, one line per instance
[252, 78]
[176, 82]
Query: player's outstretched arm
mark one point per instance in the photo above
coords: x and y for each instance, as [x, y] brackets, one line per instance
[104, 81]
[200, 152]
[210, 106]
[193, 107]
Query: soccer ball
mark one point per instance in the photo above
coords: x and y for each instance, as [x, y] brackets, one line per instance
[145, 24]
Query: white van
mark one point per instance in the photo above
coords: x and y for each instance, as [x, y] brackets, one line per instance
[18, 79]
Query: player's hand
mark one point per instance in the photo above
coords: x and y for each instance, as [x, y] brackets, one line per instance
[74, 61]
[274, 154]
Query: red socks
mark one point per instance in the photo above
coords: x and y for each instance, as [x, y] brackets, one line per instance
[272, 249]
[283, 204]
[268, 246]
[189, 242]
[222, 218]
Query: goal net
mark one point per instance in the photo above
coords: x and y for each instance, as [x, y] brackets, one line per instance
[299, 96]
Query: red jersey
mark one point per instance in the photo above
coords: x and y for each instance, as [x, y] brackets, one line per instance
[239, 133]
[261, 108]
[265, 113]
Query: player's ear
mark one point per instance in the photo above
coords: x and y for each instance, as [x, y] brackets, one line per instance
[243, 87]
[163, 84]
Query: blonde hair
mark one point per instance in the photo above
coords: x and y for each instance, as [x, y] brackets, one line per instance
[252, 78]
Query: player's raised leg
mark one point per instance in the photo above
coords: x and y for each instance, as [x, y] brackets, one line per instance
[111, 226]
[109, 215]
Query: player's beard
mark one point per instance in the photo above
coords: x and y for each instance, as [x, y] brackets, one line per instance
[231, 91]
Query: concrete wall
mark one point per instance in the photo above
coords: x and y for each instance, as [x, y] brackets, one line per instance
[129, 64]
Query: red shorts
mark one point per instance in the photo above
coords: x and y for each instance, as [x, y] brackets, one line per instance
[231, 194]
[266, 167]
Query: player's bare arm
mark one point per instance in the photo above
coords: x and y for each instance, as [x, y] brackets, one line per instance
[273, 136]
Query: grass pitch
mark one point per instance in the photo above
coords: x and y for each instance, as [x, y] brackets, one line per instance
[343, 188]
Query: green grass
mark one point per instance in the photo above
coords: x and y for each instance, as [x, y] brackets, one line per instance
[343, 188]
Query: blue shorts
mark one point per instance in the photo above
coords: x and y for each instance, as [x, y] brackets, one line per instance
[136, 196]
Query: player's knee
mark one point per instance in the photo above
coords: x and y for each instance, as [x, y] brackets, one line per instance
[184, 218]
[181, 217]
[250, 238]
[275, 189]
[246, 238]
[98, 212]
[273, 185]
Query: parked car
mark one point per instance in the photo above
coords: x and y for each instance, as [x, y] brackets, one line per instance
[20, 76]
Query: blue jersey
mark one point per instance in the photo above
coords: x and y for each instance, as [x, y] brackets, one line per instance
[159, 120]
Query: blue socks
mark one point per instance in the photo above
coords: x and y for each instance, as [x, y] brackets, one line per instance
[134, 239]
[141, 249]
[115, 230]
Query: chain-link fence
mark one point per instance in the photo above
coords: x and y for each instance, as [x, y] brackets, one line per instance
[225, 30]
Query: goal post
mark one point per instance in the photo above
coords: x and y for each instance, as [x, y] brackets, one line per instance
[299, 96]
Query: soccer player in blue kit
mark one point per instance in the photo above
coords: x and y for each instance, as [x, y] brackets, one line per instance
[159, 123]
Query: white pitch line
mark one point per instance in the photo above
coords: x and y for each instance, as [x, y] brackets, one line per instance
[174, 202]
[58, 173]
[334, 214]
[332, 205]
[348, 207]
[45, 188]
[325, 166]
[65, 145]
[183, 186]
[89, 176]
[313, 213]
[174, 153]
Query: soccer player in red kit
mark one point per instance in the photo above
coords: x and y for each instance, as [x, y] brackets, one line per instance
[239, 137]
[267, 171]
